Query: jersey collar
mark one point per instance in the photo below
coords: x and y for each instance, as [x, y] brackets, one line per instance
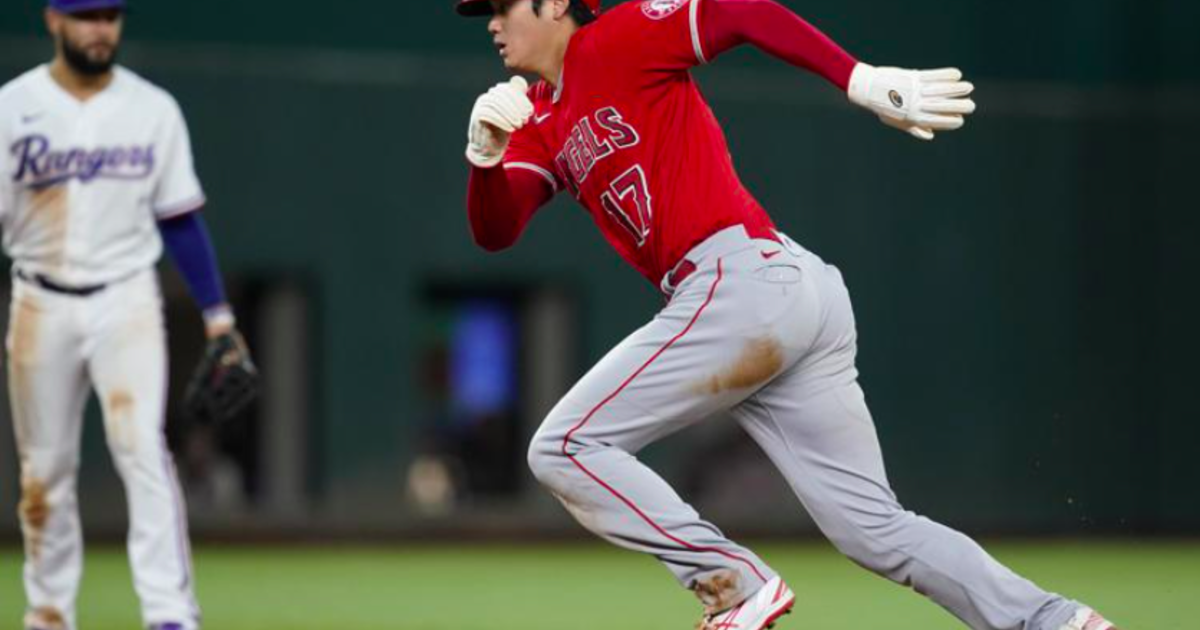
[572, 44]
[558, 86]
[59, 92]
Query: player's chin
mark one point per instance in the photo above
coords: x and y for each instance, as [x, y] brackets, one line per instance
[511, 63]
[101, 54]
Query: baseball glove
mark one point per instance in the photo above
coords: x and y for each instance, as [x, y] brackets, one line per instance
[224, 383]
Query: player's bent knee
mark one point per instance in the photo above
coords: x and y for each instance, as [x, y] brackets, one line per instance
[545, 459]
[556, 444]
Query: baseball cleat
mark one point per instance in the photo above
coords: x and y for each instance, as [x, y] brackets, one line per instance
[167, 626]
[1087, 619]
[759, 611]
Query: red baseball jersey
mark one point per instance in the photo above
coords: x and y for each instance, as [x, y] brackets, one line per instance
[628, 133]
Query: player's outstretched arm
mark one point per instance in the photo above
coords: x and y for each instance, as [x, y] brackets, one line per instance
[919, 102]
[777, 31]
[500, 202]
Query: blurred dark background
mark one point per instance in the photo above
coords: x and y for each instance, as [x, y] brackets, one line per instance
[1026, 289]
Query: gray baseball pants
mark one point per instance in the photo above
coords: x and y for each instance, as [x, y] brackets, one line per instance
[765, 332]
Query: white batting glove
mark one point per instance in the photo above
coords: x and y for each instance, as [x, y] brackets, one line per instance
[497, 113]
[919, 102]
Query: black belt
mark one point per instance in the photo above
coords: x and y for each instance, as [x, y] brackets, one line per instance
[50, 285]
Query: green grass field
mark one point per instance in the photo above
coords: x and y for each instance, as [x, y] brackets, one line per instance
[1144, 586]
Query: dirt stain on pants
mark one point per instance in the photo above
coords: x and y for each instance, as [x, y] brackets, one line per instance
[46, 618]
[34, 510]
[759, 361]
[719, 592]
[118, 418]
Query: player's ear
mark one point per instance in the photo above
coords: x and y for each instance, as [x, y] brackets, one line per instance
[561, 8]
[53, 21]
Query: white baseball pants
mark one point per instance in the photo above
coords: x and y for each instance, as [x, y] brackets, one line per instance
[59, 347]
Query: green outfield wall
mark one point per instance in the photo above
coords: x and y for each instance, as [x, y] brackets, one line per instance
[1026, 289]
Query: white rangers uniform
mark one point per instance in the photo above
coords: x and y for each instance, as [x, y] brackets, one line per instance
[82, 184]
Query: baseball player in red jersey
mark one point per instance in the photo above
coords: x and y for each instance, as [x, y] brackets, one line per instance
[755, 325]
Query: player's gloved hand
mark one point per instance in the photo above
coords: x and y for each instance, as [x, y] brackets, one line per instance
[919, 102]
[497, 113]
[225, 382]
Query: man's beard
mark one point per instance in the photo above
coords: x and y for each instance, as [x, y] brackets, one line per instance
[80, 62]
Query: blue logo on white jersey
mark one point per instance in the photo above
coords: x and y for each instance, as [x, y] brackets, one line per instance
[39, 166]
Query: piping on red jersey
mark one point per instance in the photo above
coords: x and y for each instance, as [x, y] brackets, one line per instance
[547, 175]
[662, 9]
[694, 23]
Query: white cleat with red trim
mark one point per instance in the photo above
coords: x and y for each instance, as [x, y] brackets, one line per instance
[761, 610]
[1088, 619]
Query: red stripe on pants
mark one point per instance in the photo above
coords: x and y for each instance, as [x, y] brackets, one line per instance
[566, 440]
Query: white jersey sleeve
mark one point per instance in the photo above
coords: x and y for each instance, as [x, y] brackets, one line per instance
[7, 189]
[178, 189]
